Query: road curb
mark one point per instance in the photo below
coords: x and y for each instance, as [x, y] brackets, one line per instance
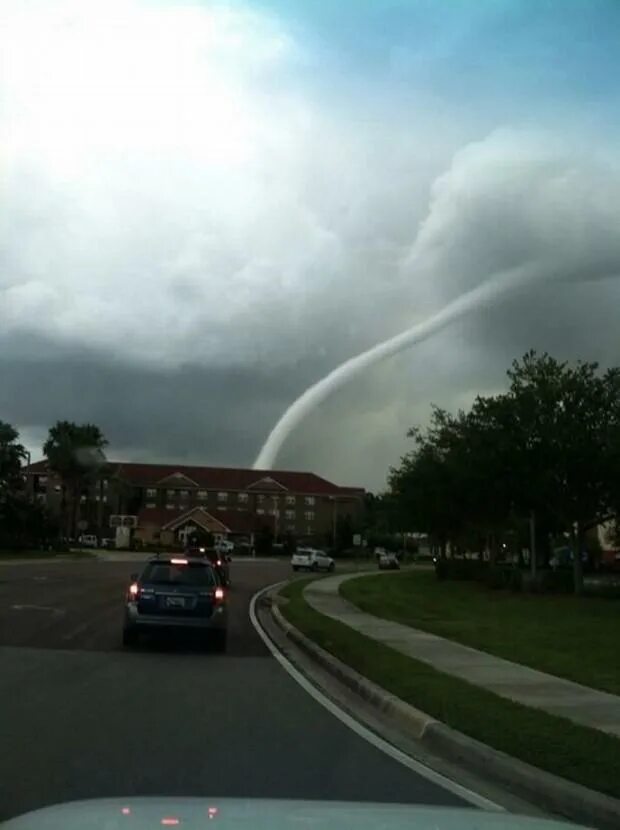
[548, 791]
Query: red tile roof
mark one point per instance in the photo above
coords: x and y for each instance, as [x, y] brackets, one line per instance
[223, 478]
[233, 521]
[228, 478]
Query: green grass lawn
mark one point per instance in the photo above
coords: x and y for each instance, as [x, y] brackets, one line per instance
[573, 637]
[574, 752]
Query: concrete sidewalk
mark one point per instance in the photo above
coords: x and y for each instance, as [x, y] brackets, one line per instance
[580, 704]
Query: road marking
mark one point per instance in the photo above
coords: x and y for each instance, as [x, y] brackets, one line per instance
[362, 731]
[37, 608]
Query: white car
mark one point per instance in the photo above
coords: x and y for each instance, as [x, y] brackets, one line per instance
[311, 559]
[388, 561]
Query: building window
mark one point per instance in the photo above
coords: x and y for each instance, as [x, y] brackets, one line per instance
[260, 499]
[260, 511]
[169, 506]
[290, 499]
[242, 497]
[309, 515]
[290, 528]
[203, 495]
[222, 496]
[150, 505]
[183, 494]
[275, 499]
[171, 493]
[290, 514]
[105, 499]
[309, 501]
[42, 481]
[105, 483]
[151, 492]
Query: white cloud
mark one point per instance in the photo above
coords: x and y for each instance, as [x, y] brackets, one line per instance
[170, 183]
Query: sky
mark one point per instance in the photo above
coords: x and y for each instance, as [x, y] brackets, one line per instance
[205, 207]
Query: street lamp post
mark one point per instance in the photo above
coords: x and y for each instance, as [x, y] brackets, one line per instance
[28, 456]
[334, 520]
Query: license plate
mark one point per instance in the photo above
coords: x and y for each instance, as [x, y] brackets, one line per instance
[175, 602]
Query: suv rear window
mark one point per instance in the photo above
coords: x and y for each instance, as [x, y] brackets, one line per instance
[165, 573]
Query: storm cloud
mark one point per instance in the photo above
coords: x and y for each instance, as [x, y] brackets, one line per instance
[202, 221]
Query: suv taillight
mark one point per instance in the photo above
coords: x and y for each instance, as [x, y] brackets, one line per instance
[218, 595]
[134, 590]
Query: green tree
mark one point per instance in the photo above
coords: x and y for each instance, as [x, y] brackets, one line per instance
[565, 444]
[12, 453]
[76, 453]
[549, 446]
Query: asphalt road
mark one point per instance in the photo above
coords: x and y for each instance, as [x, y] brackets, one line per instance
[81, 718]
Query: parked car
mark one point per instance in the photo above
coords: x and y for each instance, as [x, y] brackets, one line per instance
[388, 561]
[311, 559]
[220, 561]
[177, 593]
[225, 547]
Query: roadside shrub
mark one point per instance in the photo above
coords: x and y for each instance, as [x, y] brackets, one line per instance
[502, 577]
[459, 569]
[557, 582]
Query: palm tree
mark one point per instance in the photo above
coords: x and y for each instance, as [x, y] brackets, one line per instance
[75, 453]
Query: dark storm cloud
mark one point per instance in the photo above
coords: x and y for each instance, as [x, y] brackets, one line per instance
[213, 415]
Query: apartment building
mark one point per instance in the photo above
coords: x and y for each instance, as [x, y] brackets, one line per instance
[168, 500]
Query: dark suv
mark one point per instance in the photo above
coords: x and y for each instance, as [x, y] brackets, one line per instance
[177, 593]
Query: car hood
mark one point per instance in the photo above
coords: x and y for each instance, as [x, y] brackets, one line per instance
[259, 814]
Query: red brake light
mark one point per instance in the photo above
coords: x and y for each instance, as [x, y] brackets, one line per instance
[219, 562]
[178, 561]
[134, 589]
[170, 821]
[219, 594]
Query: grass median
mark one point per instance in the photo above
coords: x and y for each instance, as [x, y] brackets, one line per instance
[573, 637]
[551, 743]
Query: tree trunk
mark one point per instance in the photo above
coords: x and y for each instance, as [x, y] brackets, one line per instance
[577, 540]
[75, 490]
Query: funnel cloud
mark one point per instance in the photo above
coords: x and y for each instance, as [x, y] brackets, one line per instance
[518, 186]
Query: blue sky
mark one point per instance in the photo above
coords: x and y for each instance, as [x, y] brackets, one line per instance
[508, 55]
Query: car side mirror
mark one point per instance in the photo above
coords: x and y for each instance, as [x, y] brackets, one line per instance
[134, 577]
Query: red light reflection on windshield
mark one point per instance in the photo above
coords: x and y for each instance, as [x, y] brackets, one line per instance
[212, 811]
[126, 811]
[170, 821]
